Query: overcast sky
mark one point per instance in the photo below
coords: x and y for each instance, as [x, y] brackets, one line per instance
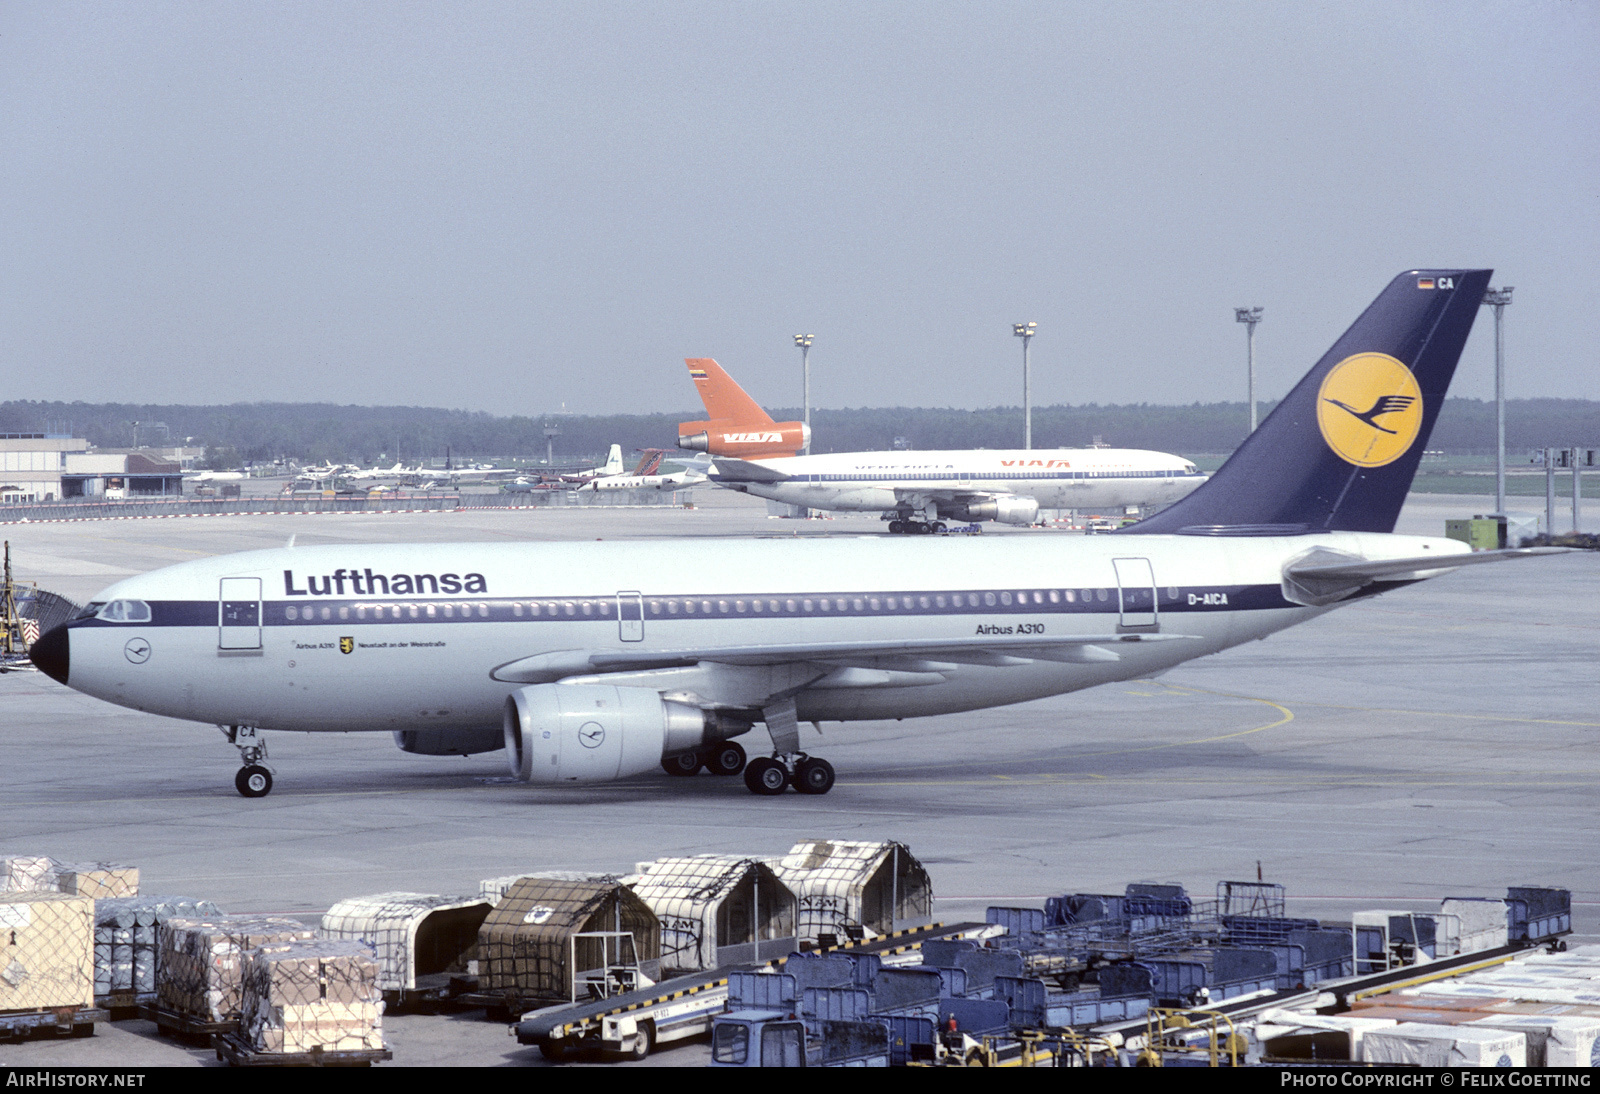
[510, 207]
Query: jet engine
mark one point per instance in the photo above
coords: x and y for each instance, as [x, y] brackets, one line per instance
[1006, 510]
[558, 733]
[449, 742]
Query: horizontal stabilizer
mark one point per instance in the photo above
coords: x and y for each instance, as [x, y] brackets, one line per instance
[1317, 581]
[729, 469]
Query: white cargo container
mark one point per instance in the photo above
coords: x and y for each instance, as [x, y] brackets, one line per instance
[1418, 1045]
[420, 939]
[717, 910]
[1553, 1040]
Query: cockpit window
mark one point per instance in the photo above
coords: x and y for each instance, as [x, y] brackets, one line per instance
[126, 611]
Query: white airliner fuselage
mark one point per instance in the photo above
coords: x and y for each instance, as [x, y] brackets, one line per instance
[955, 484]
[962, 625]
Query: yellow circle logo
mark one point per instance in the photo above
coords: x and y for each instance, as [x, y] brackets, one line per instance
[1369, 409]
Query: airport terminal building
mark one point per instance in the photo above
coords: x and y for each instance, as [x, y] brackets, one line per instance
[38, 467]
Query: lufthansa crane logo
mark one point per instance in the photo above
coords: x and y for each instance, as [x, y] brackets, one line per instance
[1369, 409]
[591, 735]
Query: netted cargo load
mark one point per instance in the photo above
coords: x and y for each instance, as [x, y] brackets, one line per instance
[41, 873]
[97, 879]
[414, 935]
[47, 960]
[847, 887]
[200, 967]
[125, 946]
[309, 996]
[494, 889]
[27, 874]
[717, 910]
[528, 947]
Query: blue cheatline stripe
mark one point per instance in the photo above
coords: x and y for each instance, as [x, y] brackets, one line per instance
[313, 611]
[891, 476]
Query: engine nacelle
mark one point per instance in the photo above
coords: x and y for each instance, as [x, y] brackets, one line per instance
[731, 437]
[450, 742]
[558, 733]
[1016, 510]
[1006, 510]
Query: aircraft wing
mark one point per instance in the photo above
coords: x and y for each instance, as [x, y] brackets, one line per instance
[997, 650]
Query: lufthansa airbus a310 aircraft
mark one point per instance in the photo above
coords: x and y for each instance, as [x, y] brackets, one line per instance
[591, 661]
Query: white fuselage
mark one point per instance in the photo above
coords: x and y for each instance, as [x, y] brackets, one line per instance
[261, 638]
[1066, 478]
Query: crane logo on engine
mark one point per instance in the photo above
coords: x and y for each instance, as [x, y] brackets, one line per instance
[591, 735]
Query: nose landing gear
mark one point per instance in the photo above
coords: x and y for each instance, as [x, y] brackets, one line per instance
[254, 779]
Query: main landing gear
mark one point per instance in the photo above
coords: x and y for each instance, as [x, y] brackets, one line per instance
[915, 527]
[723, 758]
[773, 775]
[254, 779]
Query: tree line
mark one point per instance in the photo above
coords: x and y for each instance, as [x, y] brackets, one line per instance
[319, 432]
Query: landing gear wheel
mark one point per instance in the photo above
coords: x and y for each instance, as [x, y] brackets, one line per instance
[919, 529]
[813, 776]
[726, 758]
[766, 776]
[683, 765]
[253, 781]
[938, 527]
[896, 527]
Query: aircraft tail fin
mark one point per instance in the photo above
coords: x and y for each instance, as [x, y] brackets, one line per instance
[1340, 451]
[723, 398]
[614, 461]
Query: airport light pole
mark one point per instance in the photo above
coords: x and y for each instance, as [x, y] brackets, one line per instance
[804, 342]
[1498, 299]
[1250, 316]
[1026, 331]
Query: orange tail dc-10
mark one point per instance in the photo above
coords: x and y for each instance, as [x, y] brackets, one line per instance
[736, 424]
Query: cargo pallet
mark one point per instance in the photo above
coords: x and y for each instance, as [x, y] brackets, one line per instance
[437, 992]
[170, 1023]
[29, 1025]
[124, 1004]
[232, 1051]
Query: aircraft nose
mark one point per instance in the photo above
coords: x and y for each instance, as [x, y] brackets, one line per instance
[51, 654]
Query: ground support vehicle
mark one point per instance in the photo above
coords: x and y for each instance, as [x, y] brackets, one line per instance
[634, 1022]
[773, 1038]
